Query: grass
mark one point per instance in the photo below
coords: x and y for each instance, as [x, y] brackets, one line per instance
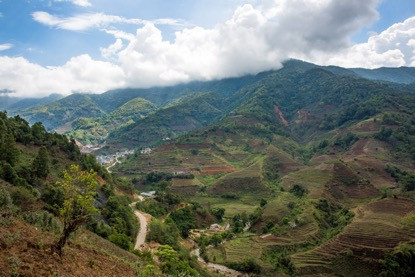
[231, 206]
[312, 179]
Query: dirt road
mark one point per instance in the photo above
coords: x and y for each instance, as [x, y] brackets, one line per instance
[141, 236]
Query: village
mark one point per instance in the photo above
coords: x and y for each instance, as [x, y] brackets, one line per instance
[109, 161]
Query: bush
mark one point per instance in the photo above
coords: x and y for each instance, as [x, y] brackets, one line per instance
[218, 213]
[163, 233]
[298, 190]
[184, 220]
[54, 197]
[23, 198]
[6, 202]
[43, 220]
[121, 240]
[248, 266]
[400, 262]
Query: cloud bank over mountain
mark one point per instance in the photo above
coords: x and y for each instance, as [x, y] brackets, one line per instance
[256, 38]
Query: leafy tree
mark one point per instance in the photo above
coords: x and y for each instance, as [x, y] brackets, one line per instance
[218, 213]
[40, 166]
[298, 190]
[184, 220]
[163, 233]
[54, 198]
[172, 264]
[80, 188]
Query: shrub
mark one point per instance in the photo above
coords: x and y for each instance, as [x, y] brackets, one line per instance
[298, 190]
[248, 266]
[163, 233]
[43, 220]
[400, 262]
[6, 202]
[23, 198]
[121, 240]
[184, 220]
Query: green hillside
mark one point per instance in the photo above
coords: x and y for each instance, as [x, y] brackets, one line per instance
[403, 75]
[317, 161]
[56, 114]
[96, 130]
[43, 183]
[299, 91]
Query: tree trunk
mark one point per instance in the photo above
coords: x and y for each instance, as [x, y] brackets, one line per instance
[67, 231]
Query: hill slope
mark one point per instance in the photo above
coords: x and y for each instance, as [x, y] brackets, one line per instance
[58, 113]
[96, 130]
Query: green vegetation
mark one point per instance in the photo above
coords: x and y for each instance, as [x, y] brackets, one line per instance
[298, 190]
[56, 114]
[163, 233]
[402, 177]
[79, 188]
[172, 264]
[400, 262]
[40, 167]
[96, 130]
[399, 131]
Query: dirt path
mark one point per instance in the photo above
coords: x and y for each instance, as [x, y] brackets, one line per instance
[116, 162]
[141, 236]
[216, 268]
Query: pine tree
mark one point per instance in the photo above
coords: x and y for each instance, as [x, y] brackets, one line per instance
[40, 166]
[9, 151]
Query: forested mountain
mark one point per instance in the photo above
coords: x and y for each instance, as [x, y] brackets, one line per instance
[56, 114]
[322, 98]
[402, 75]
[96, 130]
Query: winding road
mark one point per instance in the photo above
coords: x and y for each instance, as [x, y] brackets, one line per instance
[217, 268]
[141, 236]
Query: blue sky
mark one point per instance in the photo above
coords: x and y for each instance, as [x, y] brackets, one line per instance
[51, 46]
[66, 46]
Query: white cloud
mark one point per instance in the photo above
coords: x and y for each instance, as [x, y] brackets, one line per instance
[5, 46]
[96, 20]
[79, 74]
[81, 3]
[254, 39]
[120, 34]
[110, 53]
[393, 47]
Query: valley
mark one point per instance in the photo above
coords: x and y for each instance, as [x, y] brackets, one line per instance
[302, 171]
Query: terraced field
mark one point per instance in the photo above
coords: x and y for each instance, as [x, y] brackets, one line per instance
[248, 180]
[375, 229]
[185, 186]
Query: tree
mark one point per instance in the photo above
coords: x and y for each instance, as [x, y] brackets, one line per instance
[298, 190]
[80, 188]
[40, 166]
[9, 151]
[218, 213]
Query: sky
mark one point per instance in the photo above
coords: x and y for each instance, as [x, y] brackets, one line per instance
[91, 46]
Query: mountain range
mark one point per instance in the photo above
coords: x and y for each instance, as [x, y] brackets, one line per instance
[306, 170]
